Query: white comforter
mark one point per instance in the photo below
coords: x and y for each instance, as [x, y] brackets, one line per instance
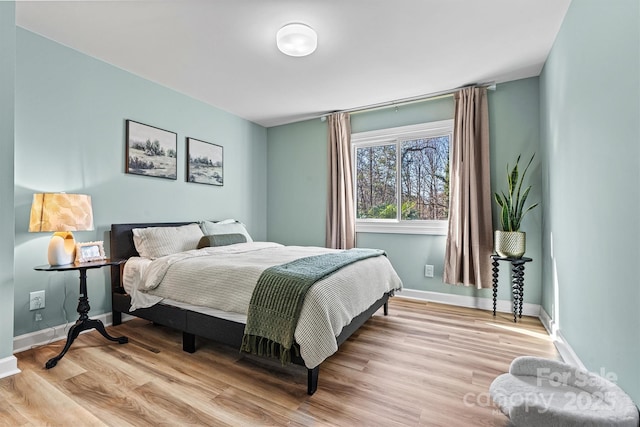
[224, 277]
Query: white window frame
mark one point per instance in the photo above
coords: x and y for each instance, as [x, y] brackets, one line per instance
[395, 136]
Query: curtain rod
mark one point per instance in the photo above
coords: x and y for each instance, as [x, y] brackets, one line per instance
[405, 101]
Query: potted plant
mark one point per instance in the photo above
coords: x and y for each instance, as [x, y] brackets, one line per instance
[510, 241]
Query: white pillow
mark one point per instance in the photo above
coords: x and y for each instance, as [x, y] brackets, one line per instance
[228, 226]
[155, 242]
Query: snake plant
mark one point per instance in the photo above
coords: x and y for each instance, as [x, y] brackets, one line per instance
[512, 204]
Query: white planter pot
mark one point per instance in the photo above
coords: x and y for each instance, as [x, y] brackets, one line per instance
[510, 244]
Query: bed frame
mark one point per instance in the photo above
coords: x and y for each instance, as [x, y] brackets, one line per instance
[192, 323]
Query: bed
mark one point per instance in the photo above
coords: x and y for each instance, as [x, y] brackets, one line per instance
[227, 327]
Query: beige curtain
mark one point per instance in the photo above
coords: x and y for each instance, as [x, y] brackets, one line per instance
[341, 228]
[470, 239]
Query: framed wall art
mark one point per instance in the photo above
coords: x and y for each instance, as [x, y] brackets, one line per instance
[89, 251]
[204, 162]
[151, 151]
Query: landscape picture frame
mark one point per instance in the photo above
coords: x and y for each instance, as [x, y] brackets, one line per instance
[90, 251]
[205, 162]
[151, 151]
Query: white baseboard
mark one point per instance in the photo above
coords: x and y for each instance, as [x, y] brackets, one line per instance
[9, 366]
[502, 306]
[565, 350]
[548, 322]
[52, 334]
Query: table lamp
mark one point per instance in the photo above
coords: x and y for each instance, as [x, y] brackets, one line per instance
[61, 213]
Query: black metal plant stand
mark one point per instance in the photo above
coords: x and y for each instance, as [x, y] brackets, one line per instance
[517, 280]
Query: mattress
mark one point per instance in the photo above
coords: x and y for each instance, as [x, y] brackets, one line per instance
[131, 279]
[224, 277]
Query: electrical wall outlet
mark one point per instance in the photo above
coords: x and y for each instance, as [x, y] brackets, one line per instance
[36, 300]
[428, 270]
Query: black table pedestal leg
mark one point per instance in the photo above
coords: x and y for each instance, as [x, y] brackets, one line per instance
[83, 323]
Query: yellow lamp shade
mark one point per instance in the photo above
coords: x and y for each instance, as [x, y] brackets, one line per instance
[61, 213]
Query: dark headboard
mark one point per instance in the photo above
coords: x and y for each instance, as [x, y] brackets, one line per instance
[122, 246]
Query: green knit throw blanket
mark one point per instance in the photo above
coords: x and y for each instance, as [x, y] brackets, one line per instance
[277, 300]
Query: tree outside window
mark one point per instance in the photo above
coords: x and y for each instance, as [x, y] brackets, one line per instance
[402, 174]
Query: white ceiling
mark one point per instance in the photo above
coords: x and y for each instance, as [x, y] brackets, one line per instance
[223, 52]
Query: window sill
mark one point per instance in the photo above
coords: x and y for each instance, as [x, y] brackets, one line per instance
[437, 228]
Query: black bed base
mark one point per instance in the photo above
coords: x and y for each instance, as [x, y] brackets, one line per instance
[192, 323]
[227, 332]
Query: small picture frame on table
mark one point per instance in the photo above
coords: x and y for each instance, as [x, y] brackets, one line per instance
[89, 251]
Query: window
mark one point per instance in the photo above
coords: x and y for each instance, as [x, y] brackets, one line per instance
[402, 178]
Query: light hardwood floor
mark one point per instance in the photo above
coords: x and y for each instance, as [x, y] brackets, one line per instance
[424, 364]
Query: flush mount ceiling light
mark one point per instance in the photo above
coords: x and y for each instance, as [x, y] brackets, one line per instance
[297, 40]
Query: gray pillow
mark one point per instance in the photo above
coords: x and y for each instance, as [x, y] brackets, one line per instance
[228, 226]
[221, 240]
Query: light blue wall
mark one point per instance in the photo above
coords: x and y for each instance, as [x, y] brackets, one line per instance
[298, 183]
[514, 127]
[70, 131]
[590, 133]
[7, 74]
[403, 115]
